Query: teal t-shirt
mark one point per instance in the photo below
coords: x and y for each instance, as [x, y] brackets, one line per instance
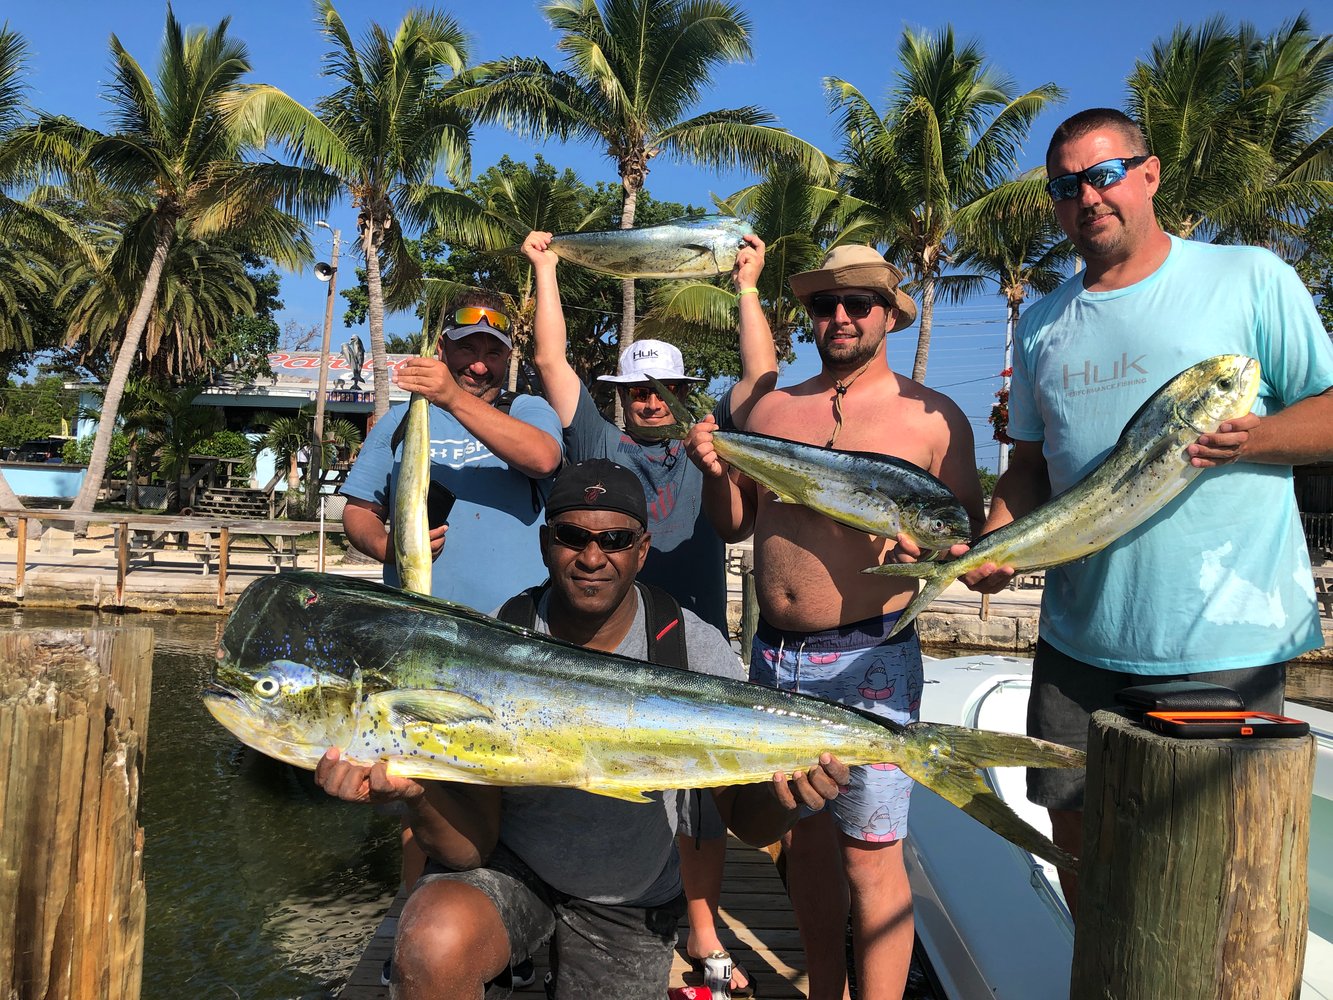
[1220, 577]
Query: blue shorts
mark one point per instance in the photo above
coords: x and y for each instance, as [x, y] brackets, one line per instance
[854, 665]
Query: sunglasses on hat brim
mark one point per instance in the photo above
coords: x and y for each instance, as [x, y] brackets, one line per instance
[476, 315]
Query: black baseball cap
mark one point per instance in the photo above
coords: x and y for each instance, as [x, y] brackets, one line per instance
[598, 484]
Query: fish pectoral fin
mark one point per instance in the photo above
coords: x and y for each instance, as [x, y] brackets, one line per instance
[432, 707]
[624, 794]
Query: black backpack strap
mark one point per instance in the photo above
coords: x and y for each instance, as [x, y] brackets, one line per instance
[665, 626]
[521, 609]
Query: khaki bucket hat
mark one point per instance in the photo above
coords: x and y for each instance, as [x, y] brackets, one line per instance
[855, 266]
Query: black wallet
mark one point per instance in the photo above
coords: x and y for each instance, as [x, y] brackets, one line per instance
[1180, 696]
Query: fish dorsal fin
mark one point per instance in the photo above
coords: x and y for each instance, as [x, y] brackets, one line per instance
[432, 707]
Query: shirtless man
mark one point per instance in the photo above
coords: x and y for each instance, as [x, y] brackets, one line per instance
[823, 623]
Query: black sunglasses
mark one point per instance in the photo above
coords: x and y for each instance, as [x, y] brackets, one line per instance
[611, 540]
[642, 393]
[1099, 175]
[858, 305]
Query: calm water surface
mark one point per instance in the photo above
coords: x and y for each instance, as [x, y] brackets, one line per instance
[259, 885]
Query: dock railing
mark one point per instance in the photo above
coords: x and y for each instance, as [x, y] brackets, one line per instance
[140, 534]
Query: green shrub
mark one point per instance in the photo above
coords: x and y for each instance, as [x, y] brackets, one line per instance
[78, 452]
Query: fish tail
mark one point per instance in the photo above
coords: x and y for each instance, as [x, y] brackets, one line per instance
[935, 583]
[684, 419]
[952, 772]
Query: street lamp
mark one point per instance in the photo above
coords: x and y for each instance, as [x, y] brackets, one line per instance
[327, 273]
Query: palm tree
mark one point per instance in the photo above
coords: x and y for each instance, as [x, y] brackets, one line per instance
[378, 138]
[287, 436]
[1236, 121]
[32, 236]
[635, 68]
[1011, 237]
[516, 199]
[172, 140]
[181, 428]
[952, 130]
[204, 287]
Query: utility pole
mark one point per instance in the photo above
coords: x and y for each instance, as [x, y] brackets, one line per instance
[329, 273]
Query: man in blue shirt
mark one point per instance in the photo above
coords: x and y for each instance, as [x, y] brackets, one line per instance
[1217, 586]
[493, 458]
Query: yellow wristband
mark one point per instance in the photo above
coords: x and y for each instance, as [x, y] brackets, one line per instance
[746, 291]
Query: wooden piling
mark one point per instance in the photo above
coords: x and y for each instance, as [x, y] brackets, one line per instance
[1193, 880]
[73, 734]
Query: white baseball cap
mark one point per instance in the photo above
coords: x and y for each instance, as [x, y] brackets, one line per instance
[650, 357]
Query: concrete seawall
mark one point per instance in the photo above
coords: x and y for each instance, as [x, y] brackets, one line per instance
[65, 572]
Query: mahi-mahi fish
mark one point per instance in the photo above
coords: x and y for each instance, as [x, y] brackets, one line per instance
[681, 248]
[409, 526]
[879, 494]
[310, 661]
[1146, 470]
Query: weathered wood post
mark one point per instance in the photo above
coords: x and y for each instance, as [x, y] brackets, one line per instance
[749, 605]
[73, 731]
[1193, 880]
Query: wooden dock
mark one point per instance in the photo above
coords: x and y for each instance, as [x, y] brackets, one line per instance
[757, 927]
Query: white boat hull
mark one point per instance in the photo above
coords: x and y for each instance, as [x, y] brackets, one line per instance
[990, 916]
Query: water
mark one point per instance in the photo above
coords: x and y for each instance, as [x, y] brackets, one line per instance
[260, 886]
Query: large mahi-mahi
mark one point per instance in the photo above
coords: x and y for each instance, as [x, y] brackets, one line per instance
[1146, 470]
[310, 661]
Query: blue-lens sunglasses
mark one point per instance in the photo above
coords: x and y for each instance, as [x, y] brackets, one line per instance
[1099, 175]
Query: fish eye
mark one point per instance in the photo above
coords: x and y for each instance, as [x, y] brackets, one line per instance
[267, 687]
[1226, 383]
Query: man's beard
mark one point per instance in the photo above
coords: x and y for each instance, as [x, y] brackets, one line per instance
[847, 359]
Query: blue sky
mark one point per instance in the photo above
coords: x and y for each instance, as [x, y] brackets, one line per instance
[1087, 50]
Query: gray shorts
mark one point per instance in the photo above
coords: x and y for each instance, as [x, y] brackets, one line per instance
[1066, 691]
[594, 944]
[856, 665]
[697, 815]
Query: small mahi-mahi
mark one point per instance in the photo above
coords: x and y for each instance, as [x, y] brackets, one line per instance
[681, 248]
[879, 494]
[1146, 470]
[409, 523]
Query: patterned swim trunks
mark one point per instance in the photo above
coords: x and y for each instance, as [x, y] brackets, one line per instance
[855, 665]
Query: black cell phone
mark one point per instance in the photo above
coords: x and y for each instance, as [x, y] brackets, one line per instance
[1180, 696]
[439, 502]
[1223, 725]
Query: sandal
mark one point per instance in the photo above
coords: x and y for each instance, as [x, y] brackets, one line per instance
[745, 992]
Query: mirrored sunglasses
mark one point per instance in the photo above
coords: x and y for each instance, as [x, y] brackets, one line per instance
[858, 305]
[611, 540]
[1099, 175]
[642, 393]
[473, 315]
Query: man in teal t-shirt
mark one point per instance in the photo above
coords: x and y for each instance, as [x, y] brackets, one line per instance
[1217, 586]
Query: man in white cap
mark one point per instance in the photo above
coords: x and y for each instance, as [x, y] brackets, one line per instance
[823, 623]
[687, 558]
